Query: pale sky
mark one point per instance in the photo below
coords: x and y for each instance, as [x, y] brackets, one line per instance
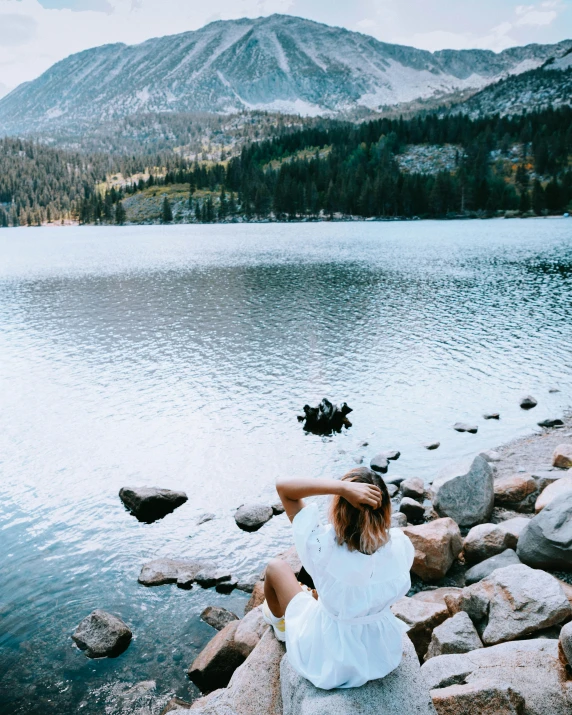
[36, 33]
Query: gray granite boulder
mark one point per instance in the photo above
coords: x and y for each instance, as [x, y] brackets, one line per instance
[455, 635]
[529, 667]
[413, 510]
[486, 540]
[465, 492]
[151, 503]
[486, 567]
[565, 644]
[402, 692]
[421, 617]
[102, 635]
[218, 617]
[414, 488]
[432, 445]
[215, 664]
[480, 696]
[182, 572]
[252, 517]
[551, 422]
[547, 540]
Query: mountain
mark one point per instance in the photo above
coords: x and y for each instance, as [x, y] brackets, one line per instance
[278, 63]
[549, 86]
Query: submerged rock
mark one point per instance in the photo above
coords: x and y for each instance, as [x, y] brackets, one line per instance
[252, 517]
[149, 504]
[218, 617]
[326, 417]
[102, 635]
[547, 540]
[437, 545]
[465, 492]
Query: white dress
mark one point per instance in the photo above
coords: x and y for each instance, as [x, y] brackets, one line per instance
[348, 636]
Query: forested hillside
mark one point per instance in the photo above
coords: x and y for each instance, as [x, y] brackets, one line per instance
[424, 167]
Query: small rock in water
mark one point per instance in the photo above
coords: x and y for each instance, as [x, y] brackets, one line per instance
[326, 417]
[413, 488]
[528, 402]
[211, 576]
[204, 518]
[163, 571]
[553, 390]
[149, 504]
[358, 460]
[251, 518]
[394, 480]
[392, 455]
[413, 510]
[432, 445]
[218, 617]
[492, 416]
[562, 456]
[379, 464]
[226, 587]
[247, 584]
[278, 508]
[464, 427]
[102, 635]
[556, 422]
[392, 490]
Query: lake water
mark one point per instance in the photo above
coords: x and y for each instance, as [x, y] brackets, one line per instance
[180, 356]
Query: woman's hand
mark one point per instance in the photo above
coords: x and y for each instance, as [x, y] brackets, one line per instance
[359, 495]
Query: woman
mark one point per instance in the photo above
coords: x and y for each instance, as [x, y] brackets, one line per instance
[359, 566]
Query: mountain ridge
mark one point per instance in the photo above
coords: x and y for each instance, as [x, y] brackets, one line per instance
[278, 63]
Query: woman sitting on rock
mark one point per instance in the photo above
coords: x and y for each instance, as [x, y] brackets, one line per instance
[359, 567]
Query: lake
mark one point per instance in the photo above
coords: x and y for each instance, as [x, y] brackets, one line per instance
[181, 356]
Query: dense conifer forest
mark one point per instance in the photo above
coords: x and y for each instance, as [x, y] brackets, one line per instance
[500, 164]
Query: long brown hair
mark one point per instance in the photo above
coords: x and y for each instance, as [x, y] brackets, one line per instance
[365, 529]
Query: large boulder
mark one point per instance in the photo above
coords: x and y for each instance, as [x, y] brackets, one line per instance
[437, 595]
[102, 635]
[515, 526]
[413, 510]
[562, 456]
[517, 492]
[513, 602]
[421, 617]
[480, 696]
[151, 503]
[465, 491]
[553, 491]
[529, 667]
[257, 597]
[249, 631]
[565, 644]
[414, 488]
[437, 545]
[547, 540]
[218, 617]
[254, 689]
[252, 517]
[486, 540]
[486, 567]
[455, 635]
[402, 692]
[215, 664]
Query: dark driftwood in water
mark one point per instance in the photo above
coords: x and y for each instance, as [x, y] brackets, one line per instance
[326, 417]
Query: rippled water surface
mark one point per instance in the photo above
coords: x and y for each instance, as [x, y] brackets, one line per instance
[180, 357]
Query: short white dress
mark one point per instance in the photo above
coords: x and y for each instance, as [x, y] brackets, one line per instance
[350, 635]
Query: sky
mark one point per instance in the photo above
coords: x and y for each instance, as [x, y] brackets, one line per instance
[34, 34]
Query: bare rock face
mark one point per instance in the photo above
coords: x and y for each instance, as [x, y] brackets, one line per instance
[421, 617]
[565, 644]
[218, 617]
[553, 491]
[547, 540]
[513, 602]
[249, 631]
[413, 510]
[252, 517]
[486, 567]
[149, 504]
[102, 635]
[465, 492]
[517, 492]
[437, 545]
[455, 635]
[529, 667]
[414, 488]
[562, 456]
[486, 540]
[402, 692]
[481, 697]
[215, 664]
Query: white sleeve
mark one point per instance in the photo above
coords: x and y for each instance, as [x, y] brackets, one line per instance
[308, 530]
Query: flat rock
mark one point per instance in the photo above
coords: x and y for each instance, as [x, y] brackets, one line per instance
[254, 689]
[421, 617]
[432, 445]
[529, 667]
[437, 546]
[455, 635]
[465, 491]
[486, 567]
[102, 635]
[413, 488]
[554, 422]
[464, 427]
[149, 504]
[379, 463]
[252, 517]
[179, 571]
[547, 540]
[218, 617]
[513, 602]
[517, 491]
[480, 696]
[553, 491]
[413, 510]
[215, 664]
[249, 631]
[402, 692]
[528, 402]
[486, 540]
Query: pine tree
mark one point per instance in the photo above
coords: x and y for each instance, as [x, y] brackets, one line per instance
[166, 211]
[538, 198]
[120, 214]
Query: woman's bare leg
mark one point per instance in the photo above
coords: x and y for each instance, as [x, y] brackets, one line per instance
[280, 586]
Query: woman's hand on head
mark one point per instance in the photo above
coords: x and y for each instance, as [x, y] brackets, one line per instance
[360, 495]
